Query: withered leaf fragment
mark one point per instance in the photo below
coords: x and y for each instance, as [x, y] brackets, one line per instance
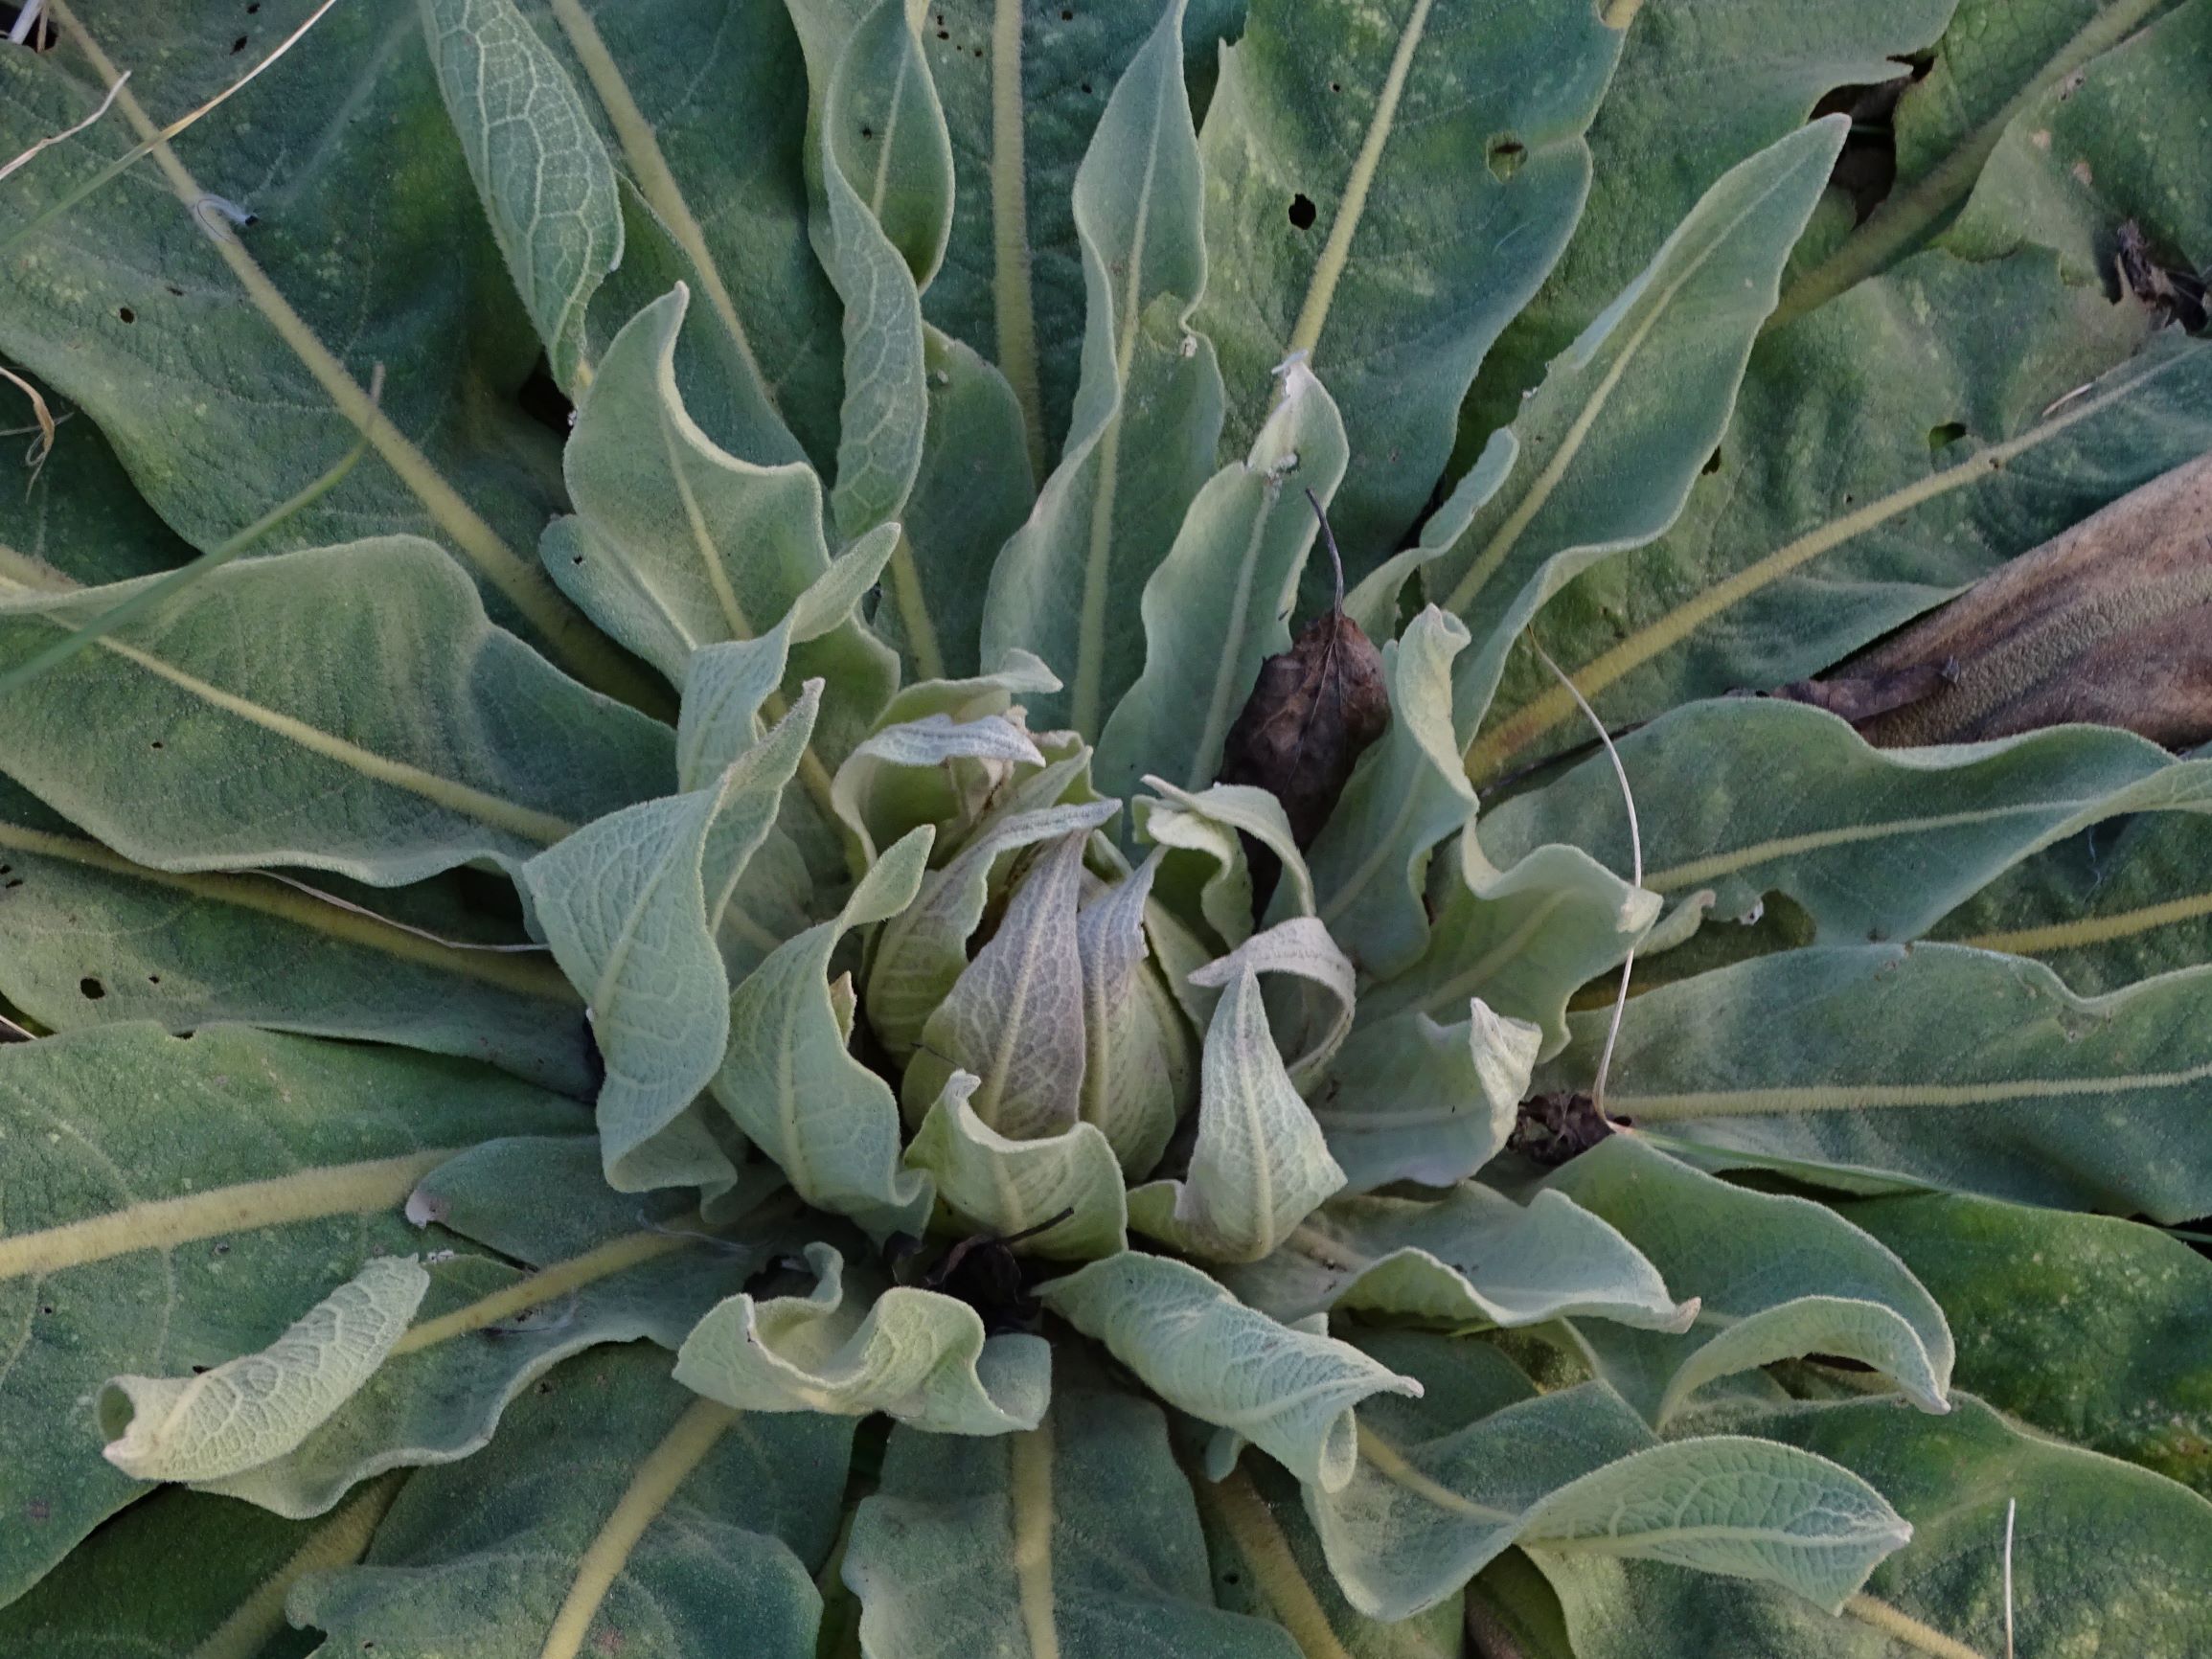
[2109, 622]
[1314, 710]
[2172, 295]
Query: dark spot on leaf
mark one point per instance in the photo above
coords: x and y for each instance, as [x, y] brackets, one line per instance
[1712, 463]
[1337, 86]
[1549, 1130]
[1312, 713]
[1950, 432]
[153, 979]
[866, 132]
[1506, 154]
[237, 46]
[1067, 16]
[223, 1248]
[174, 289]
[1086, 87]
[92, 989]
[127, 313]
[47, 1309]
[1302, 211]
[254, 8]
[17, 882]
[199, 1370]
[944, 34]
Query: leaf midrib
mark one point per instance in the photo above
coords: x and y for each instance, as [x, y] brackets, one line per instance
[1501, 544]
[1490, 750]
[307, 1195]
[524, 583]
[1784, 1100]
[1090, 628]
[529, 976]
[655, 180]
[1336, 251]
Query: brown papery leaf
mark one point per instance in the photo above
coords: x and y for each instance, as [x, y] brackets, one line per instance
[2109, 622]
[1315, 709]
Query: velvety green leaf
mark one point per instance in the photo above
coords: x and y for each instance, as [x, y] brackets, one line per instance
[1448, 1482]
[1475, 1258]
[79, 513]
[1410, 1100]
[1942, 399]
[973, 491]
[1927, 1066]
[1734, 1505]
[487, 1331]
[922, 952]
[88, 937]
[925, 771]
[1078, 1536]
[1519, 940]
[2087, 1328]
[1444, 1477]
[258, 1406]
[122, 1586]
[1996, 61]
[879, 144]
[1289, 1392]
[545, 181]
[1749, 798]
[678, 544]
[788, 1081]
[2103, 1555]
[1267, 1560]
[1378, 601]
[759, 360]
[990, 1183]
[1216, 606]
[1775, 1278]
[1386, 188]
[1140, 1064]
[1317, 1012]
[1605, 463]
[1013, 285]
[633, 906]
[1210, 822]
[1371, 863]
[1260, 1166]
[609, 1516]
[1148, 415]
[605, 1272]
[918, 1355]
[273, 1166]
[229, 363]
[2104, 145]
[1013, 1019]
[2102, 909]
[451, 740]
[1698, 88]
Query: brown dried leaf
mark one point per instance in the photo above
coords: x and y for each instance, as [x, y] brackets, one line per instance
[1859, 697]
[2109, 622]
[1315, 709]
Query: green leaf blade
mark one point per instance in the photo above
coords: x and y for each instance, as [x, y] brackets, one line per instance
[546, 183]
